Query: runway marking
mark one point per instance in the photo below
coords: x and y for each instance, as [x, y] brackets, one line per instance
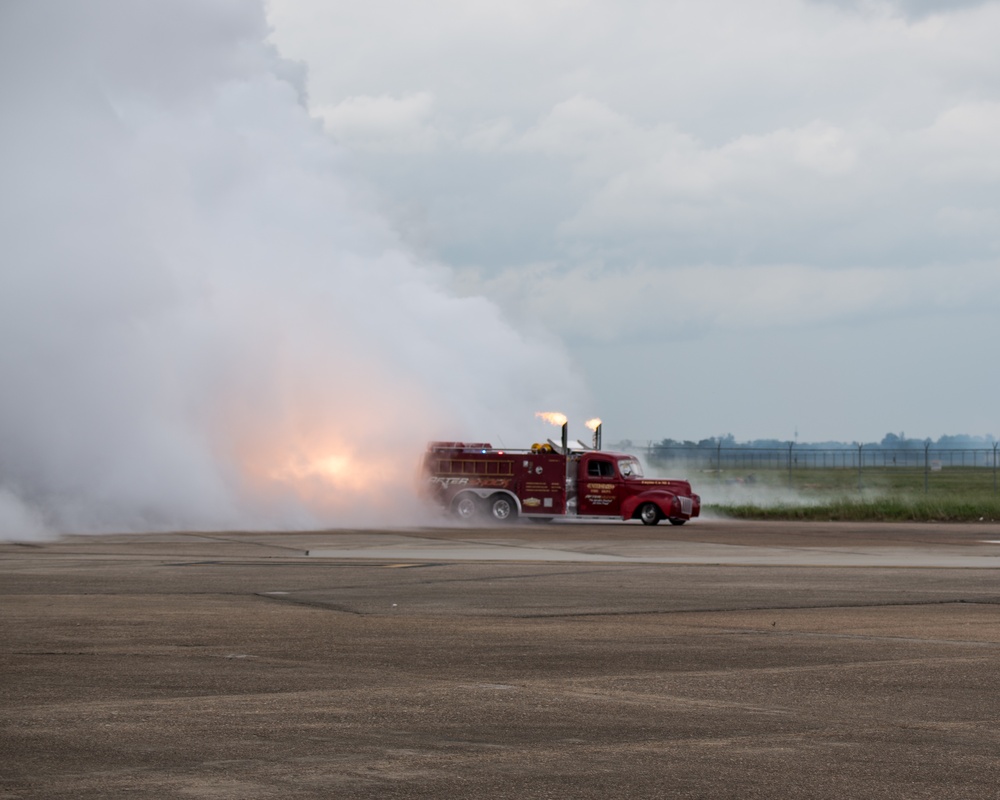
[678, 554]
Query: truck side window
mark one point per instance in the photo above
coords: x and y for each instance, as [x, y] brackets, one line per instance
[600, 469]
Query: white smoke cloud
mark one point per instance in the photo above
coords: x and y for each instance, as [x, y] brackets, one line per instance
[19, 521]
[202, 321]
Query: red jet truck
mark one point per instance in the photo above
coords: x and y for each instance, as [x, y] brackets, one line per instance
[474, 480]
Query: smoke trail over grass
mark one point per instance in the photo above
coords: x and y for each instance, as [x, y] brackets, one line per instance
[759, 489]
[202, 323]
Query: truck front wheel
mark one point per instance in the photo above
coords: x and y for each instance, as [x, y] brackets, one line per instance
[502, 508]
[677, 520]
[649, 514]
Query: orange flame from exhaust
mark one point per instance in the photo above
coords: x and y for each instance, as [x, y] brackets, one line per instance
[593, 424]
[552, 416]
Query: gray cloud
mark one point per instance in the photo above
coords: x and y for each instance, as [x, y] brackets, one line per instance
[912, 9]
[792, 134]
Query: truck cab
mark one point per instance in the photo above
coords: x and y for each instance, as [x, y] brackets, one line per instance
[613, 485]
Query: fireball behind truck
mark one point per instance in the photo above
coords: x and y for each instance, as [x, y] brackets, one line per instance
[474, 480]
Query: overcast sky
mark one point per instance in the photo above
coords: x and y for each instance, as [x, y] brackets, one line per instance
[738, 217]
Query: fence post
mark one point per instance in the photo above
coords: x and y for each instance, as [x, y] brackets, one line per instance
[995, 467]
[927, 464]
[860, 457]
[790, 446]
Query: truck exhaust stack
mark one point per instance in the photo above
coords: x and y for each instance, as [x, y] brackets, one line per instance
[595, 425]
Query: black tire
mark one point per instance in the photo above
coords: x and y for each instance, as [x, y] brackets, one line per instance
[466, 507]
[649, 514]
[677, 521]
[502, 508]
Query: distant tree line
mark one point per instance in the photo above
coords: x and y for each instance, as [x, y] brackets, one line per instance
[891, 441]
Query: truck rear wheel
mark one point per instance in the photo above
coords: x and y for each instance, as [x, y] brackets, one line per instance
[466, 507]
[649, 514]
[502, 508]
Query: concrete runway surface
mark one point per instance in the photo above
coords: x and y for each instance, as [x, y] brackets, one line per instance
[717, 660]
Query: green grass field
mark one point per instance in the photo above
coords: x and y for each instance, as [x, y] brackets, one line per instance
[878, 494]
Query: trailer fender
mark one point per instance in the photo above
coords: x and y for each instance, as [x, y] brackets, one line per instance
[665, 501]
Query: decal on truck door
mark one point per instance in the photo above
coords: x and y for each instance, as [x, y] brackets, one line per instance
[601, 488]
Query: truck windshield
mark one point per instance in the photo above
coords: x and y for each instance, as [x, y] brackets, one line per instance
[630, 468]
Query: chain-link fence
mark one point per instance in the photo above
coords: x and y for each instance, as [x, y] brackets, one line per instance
[799, 462]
